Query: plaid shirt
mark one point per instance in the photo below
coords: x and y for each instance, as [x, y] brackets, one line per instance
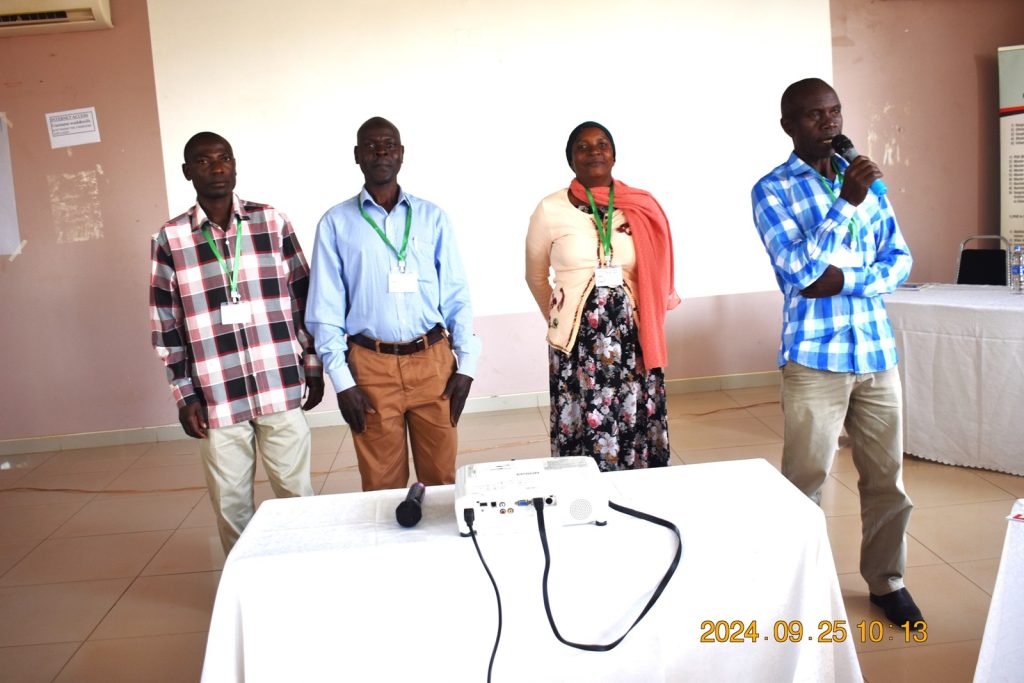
[237, 371]
[804, 229]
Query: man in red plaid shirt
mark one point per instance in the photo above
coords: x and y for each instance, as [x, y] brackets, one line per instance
[227, 296]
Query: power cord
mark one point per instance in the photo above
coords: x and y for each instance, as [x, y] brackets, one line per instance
[538, 504]
[469, 515]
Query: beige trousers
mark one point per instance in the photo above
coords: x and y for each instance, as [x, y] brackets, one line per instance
[406, 393]
[229, 459]
[817, 405]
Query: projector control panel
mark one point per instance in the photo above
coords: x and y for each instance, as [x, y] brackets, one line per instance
[501, 494]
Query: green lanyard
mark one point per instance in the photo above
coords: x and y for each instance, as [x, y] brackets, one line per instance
[405, 241]
[235, 297]
[604, 231]
[828, 188]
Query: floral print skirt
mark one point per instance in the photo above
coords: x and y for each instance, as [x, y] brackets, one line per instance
[604, 402]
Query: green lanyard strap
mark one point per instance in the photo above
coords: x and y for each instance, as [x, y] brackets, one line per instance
[604, 231]
[405, 241]
[233, 273]
[828, 188]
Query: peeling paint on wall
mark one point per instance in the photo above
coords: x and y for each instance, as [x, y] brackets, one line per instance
[75, 206]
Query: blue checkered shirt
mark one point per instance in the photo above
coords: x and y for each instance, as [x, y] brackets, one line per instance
[804, 229]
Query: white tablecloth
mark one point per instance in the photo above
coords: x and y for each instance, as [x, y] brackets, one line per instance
[1001, 659]
[962, 363]
[332, 589]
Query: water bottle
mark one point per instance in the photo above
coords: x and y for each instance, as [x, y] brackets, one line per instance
[1016, 268]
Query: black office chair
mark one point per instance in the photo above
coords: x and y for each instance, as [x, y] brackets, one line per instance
[983, 266]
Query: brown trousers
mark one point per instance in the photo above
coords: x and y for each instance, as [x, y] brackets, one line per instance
[406, 392]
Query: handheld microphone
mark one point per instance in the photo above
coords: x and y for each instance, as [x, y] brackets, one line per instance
[408, 513]
[844, 148]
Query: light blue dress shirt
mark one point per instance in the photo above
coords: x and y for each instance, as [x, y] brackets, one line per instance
[804, 227]
[348, 291]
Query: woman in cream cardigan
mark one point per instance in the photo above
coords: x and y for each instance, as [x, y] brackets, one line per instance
[611, 251]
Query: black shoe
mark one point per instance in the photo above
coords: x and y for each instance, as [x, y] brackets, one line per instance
[899, 608]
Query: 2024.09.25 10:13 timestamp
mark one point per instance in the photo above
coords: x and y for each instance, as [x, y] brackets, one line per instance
[834, 631]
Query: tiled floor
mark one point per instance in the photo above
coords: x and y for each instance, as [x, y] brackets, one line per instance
[109, 560]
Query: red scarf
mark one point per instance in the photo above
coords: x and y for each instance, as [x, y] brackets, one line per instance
[655, 268]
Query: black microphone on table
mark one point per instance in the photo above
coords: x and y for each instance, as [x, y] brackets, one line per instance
[409, 511]
[843, 146]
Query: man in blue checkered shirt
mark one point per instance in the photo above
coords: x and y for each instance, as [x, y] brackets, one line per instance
[836, 248]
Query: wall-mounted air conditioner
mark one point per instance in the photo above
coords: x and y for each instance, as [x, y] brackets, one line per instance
[25, 17]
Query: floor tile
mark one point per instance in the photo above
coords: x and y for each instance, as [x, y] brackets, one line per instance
[11, 553]
[161, 605]
[322, 463]
[776, 423]
[704, 404]
[25, 462]
[343, 481]
[982, 573]
[153, 659]
[188, 551]
[922, 663]
[503, 449]
[772, 452]
[85, 559]
[328, 439]
[56, 612]
[201, 514]
[35, 663]
[929, 484]
[130, 512]
[837, 499]
[171, 479]
[514, 423]
[758, 400]
[107, 459]
[719, 433]
[960, 533]
[1011, 483]
[35, 522]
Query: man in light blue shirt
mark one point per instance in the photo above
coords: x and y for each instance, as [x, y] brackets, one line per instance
[390, 313]
[836, 248]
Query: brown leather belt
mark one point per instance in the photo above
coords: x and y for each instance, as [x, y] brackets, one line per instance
[435, 335]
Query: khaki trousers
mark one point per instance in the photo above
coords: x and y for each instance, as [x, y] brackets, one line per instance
[817, 405]
[406, 393]
[229, 459]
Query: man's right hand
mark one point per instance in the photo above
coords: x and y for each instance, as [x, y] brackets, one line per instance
[193, 420]
[354, 405]
[858, 178]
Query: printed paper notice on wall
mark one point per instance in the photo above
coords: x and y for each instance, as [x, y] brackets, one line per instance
[73, 127]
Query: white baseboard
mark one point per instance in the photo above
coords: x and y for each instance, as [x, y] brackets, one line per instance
[332, 418]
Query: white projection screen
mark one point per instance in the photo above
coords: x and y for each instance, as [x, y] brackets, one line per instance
[484, 94]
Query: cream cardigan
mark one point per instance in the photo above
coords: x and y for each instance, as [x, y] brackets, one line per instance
[564, 238]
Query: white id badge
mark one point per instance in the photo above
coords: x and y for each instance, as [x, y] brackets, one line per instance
[235, 314]
[608, 276]
[842, 257]
[399, 282]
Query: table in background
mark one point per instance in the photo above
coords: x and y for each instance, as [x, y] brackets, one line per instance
[962, 364]
[331, 588]
[1002, 648]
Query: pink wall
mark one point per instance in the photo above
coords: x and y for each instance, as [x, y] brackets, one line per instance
[74, 346]
[74, 340]
[922, 76]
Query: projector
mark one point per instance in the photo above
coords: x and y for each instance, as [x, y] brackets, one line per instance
[501, 494]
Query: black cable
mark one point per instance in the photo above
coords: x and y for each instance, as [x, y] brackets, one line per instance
[469, 515]
[538, 504]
